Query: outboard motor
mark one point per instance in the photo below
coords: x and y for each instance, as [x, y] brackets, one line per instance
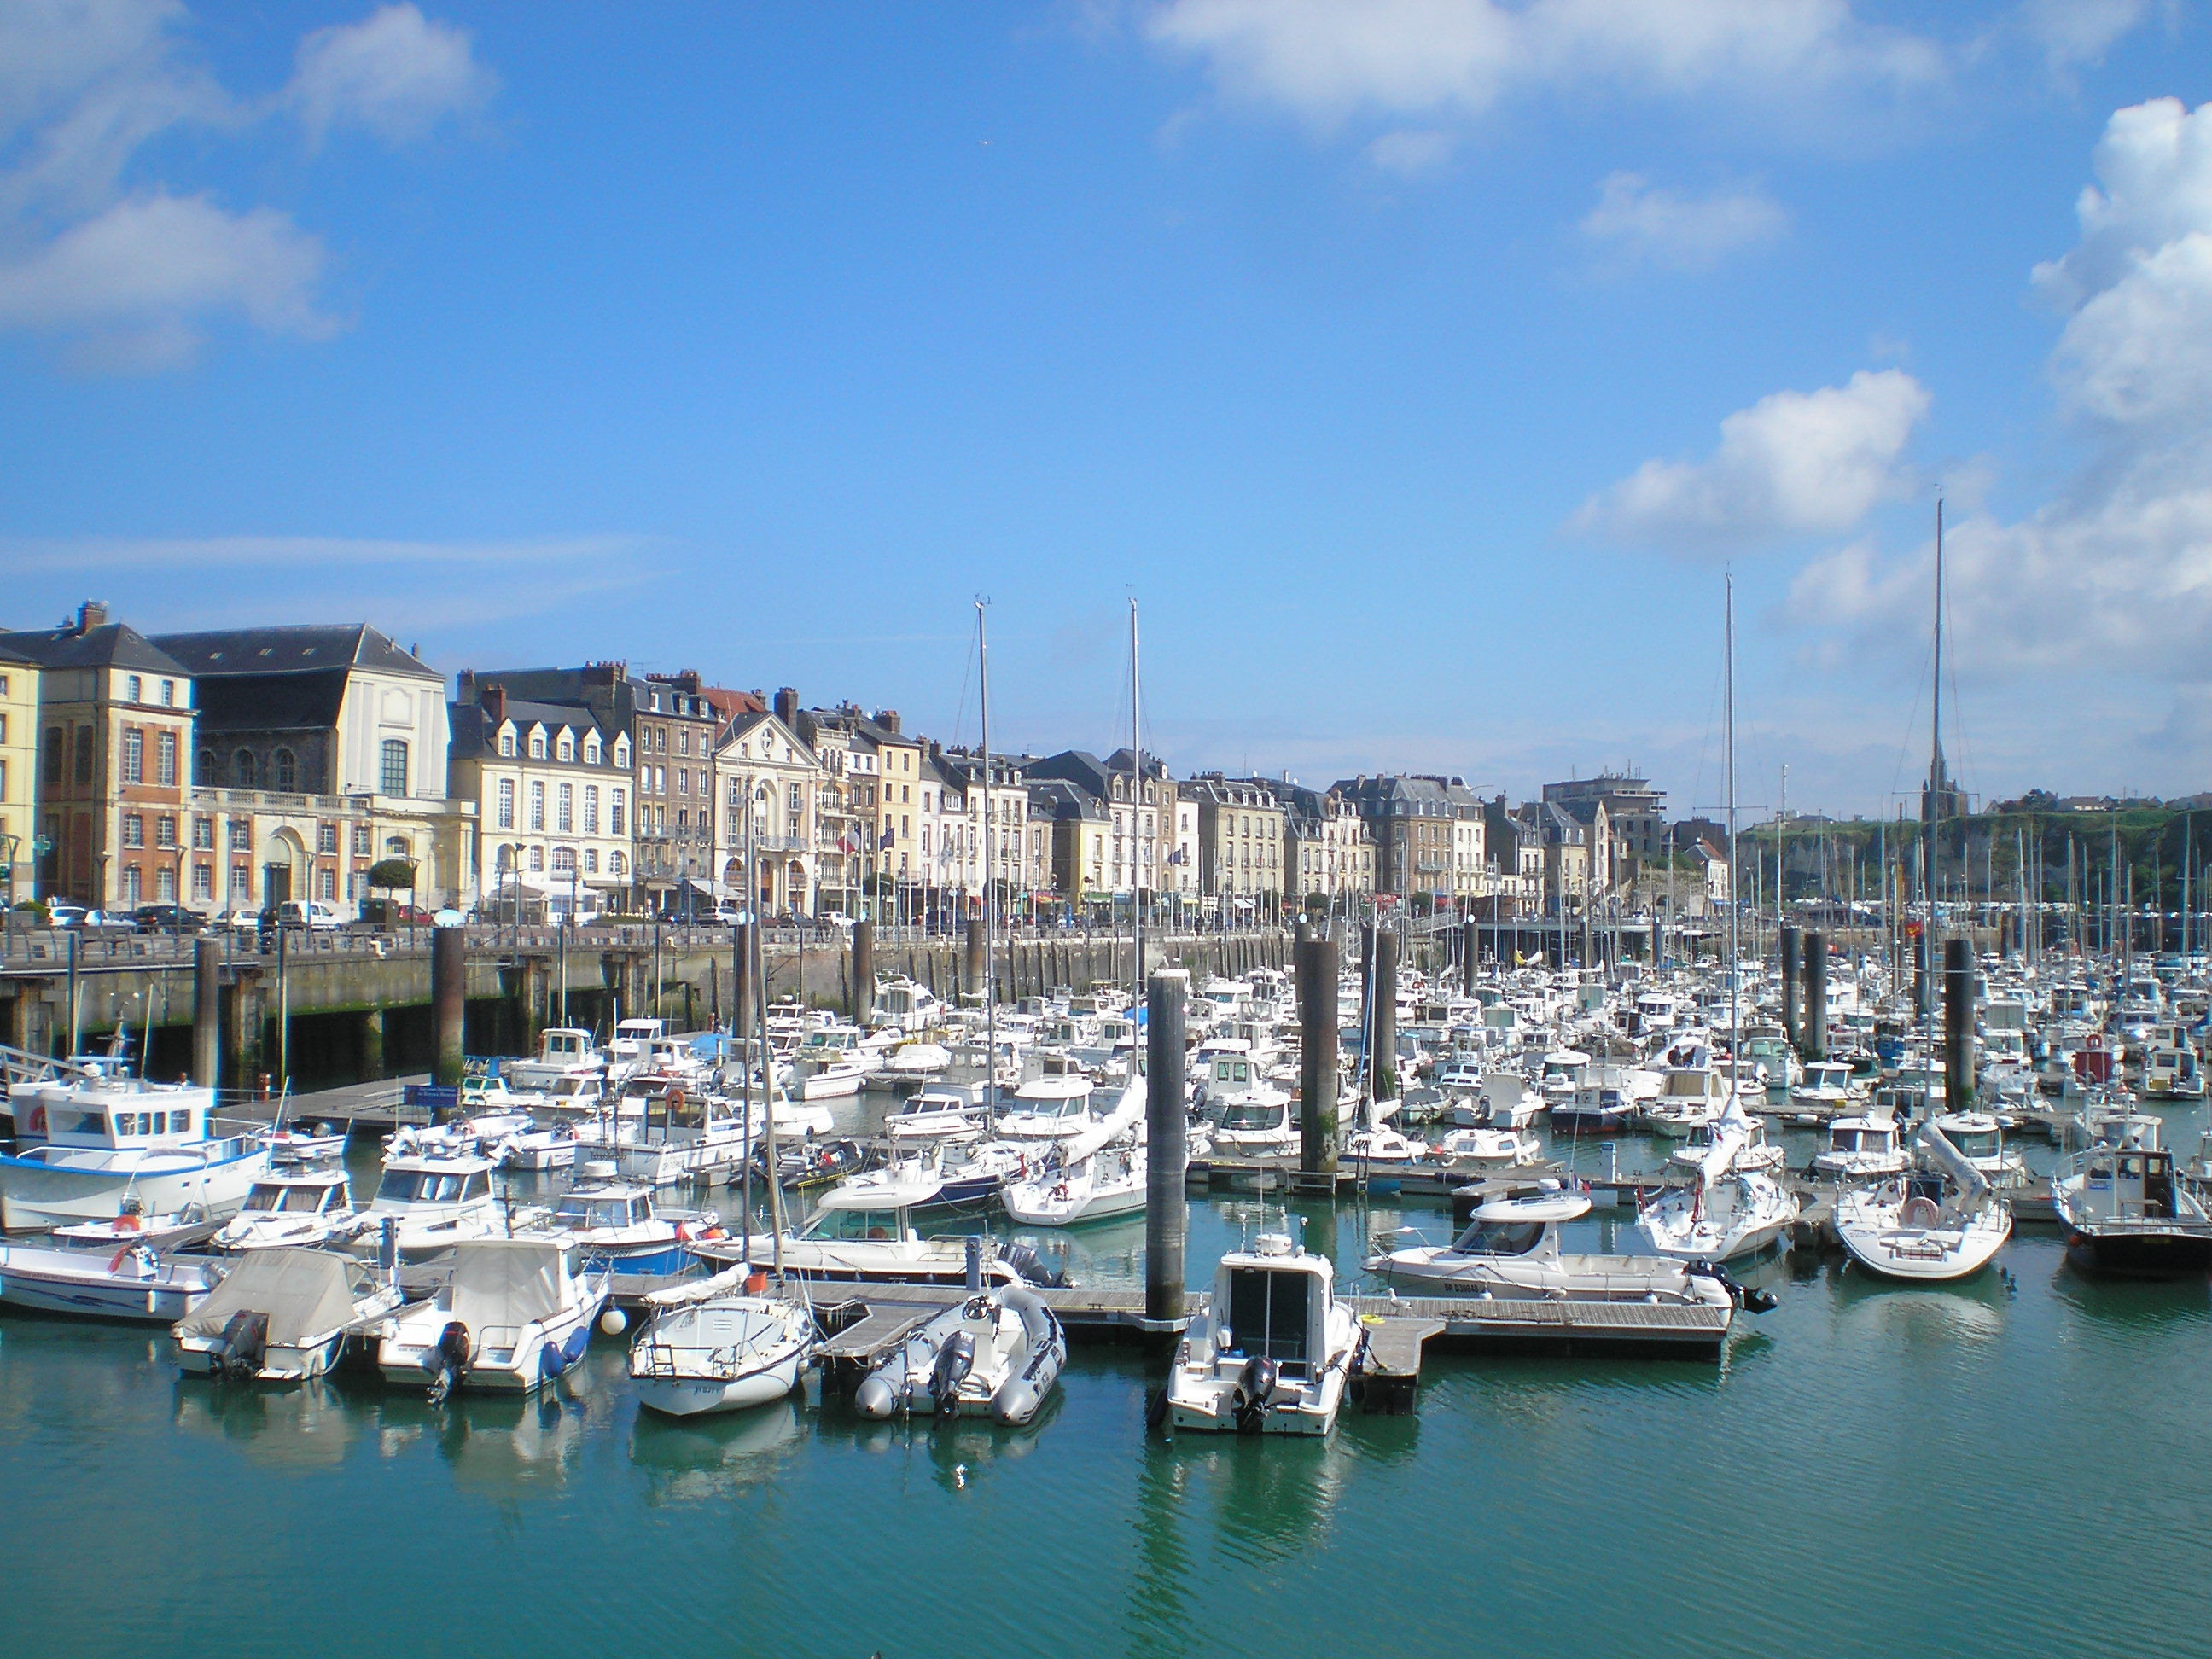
[241, 1347]
[1744, 1296]
[1030, 1266]
[954, 1361]
[1248, 1406]
[449, 1361]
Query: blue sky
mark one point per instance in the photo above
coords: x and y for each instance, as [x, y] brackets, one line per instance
[1419, 365]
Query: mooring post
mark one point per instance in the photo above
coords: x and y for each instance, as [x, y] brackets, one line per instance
[1957, 1025]
[1814, 1019]
[1318, 1086]
[1792, 944]
[864, 972]
[1382, 1061]
[449, 1001]
[1166, 1145]
[1470, 956]
[971, 962]
[206, 1010]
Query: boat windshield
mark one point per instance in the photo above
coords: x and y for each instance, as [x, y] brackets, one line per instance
[1251, 1115]
[1499, 1238]
[271, 1197]
[429, 1186]
[1975, 1143]
[845, 1225]
[592, 1213]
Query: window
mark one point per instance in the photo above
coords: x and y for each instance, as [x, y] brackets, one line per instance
[621, 755]
[566, 748]
[591, 860]
[360, 843]
[660, 777]
[537, 805]
[684, 743]
[564, 859]
[241, 769]
[241, 883]
[168, 694]
[134, 755]
[617, 864]
[592, 750]
[564, 819]
[134, 830]
[798, 801]
[591, 809]
[683, 817]
[241, 836]
[134, 886]
[204, 773]
[507, 858]
[202, 883]
[396, 847]
[287, 770]
[683, 780]
[506, 742]
[204, 834]
[505, 818]
[165, 885]
[84, 754]
[538, 745]
[616, 824]
[395, 766]
[134, 689]
[326, 838]
[326, 885]
[165, 759]
[537, 859]
[165, 831]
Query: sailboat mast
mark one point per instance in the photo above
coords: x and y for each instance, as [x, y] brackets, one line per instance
[1727, 680]
[1931, 830]
[1136, 820]
[990, 987]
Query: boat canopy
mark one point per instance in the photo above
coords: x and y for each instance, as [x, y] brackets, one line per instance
[303, 1293]
[509, 1281]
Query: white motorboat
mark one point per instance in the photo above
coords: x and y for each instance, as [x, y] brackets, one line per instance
[1829, 1087]
[282, 1316]
[643, 1248]
[1273, 1350]
[1861, 1149]
[1689, 1097]
[299, 1146]
[295, 1209]
[997, 1353]
[934, 1114]
[2125, 1212]
[1980, 1139]
[869, 1238]
[1504, 1100]
[1257, 1124]
[425, 1206]
[1048, 1109]
[918, 1062]
[564, 1054]
[84, 1146]
[1384, 1145]
[832, 1079]
[532, 1146]
[1490, 1149]
[1726, 1212]
[132, 1282]
[2172, 1074]
[1510, 1247]
[1945, 1223]
[710, 1346]
[1097, 1174]
[516, 1313]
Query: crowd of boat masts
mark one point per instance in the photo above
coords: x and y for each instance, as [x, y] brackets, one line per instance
[248, 1242]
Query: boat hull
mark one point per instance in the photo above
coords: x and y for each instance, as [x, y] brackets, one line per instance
[35, 1194]
[702, 1396]
[48, 1281]
[2140, 1256]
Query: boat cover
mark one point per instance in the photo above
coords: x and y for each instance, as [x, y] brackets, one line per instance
[508, 1281]
[304, 1293]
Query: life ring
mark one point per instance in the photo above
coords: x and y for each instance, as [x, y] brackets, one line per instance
[38, 1123]
[126, 1223]
[675, 1100]
[682, 1233]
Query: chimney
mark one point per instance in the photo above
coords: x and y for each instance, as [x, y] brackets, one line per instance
[786, 706]
[889, 720]
[494, 698]
[92, 614]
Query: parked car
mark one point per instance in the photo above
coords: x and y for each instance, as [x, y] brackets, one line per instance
[77, 918]
[240, 920]
[167, 918]
[310, 916]
[395, 913]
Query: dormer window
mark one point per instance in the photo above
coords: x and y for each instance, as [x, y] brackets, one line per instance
[591, 751]
[507, 741]
[538, 745]
[568, 747]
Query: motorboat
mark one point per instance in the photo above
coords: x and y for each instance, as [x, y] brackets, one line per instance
[1560, 1073]
[1273, 1350]
[1510, 1247]
[85, 1144]
[529, 1144]
[1689, 1097]
[1724, 1212]
[996, 1354]
[2125, 1212]
[714, 1346]
[1829, 1087]
[664, 1132]
[301, 1146]
[1096, 1174]
[132, 1282]
[1048, 1109]
[642, 1247]
[425, 1207]
[917, 1062]
[1605, 1102]
[1384, 1145]
[1940, 1223]
[934, 1114]
[297, 1208]
[565, 1052]
[516, 1313]
[2173, 1074]
[869, 1238]
[1489, 1149]
[1504, 1102]
[282, 1316]
[1257, 1124]
[1979, 1138]
[1861, 1149]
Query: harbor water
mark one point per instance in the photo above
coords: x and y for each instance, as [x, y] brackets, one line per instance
[2006, 1465]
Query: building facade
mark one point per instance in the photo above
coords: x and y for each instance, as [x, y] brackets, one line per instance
[769, 783]
[1240, 846]
[19, 778]
[1328, 849]
[552, 792]
[1429, 836]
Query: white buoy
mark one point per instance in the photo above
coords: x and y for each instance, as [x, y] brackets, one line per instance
[614, 1321]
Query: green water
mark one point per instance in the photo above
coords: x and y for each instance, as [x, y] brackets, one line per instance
[1886, 1470]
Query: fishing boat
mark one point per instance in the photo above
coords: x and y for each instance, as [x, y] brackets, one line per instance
[2125, 1212]
[642, 1247]
[1272, 1351]
[425, 1207]
[1941, 1223]
[300, 1208]
[516, 1313]
[282, 1316]
[1510, 1247]
[84, 1146]
[996, 1354]
[716, 1347]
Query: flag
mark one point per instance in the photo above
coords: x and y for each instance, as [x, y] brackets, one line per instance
[844, 844]
[884, 842]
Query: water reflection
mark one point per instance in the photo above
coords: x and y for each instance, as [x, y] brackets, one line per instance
[692, 1460]
[304, 1426]
[1873, 1311]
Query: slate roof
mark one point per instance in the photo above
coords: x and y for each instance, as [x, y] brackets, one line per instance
[114, 645]
[307, 649]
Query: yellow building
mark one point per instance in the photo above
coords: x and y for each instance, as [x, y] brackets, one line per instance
[19, 775]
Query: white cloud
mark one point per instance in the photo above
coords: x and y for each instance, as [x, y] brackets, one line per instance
[1411, 153]
[1793, 464]
[1327, 59]
[2072, 32]
[129, 275]
[1685, 232]
[395, 73]
[2115, 572]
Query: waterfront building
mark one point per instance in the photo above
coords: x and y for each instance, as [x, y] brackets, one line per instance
[1081, 830]
[1429, 836]
[19, 777]
[115, 735]
[1635, 811]
[1021, 851]
[1240, 846]
[1514, 854]
[1138, 803]
[1328, 848]
[551, 785]
[878, 768]
[328, 743]
[761, 762]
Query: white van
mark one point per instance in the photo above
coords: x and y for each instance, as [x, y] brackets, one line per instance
[313, 915]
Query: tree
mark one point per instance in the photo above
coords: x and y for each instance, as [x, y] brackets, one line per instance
[390, 875]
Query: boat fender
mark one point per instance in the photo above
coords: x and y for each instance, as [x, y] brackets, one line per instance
[1248, 1402]
[614, 1321]
[954, 1361]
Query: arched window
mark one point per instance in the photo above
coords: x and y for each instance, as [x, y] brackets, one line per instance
[241, 769]
[538, 745]
[592, 750]
[394, 769]
[564, 859]
[617, 864]
[287, 770]
[204, 772]
[506, 742]
[396, 847]
[567, 747]
[505, 861]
